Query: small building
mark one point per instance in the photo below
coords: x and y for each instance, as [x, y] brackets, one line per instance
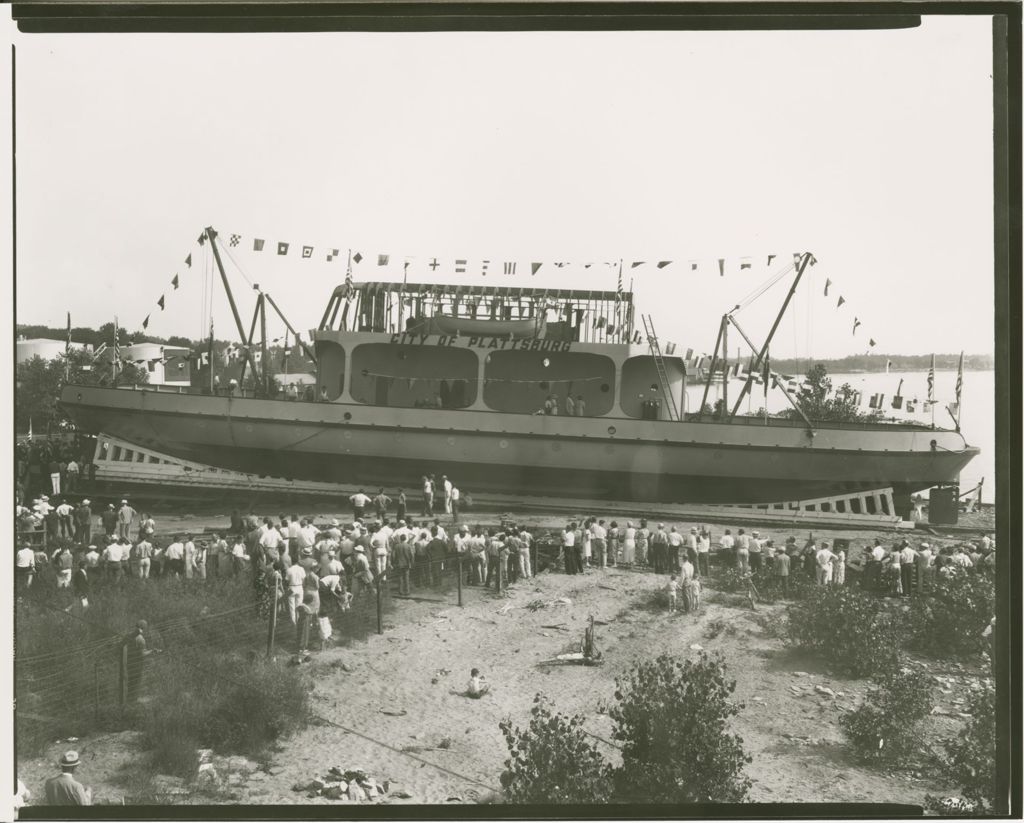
[166, 365]
[45, 348]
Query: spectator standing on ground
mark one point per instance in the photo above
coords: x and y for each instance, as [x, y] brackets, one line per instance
[25, 566]
[598, 539]
[780, 569]
[359, 502]
[147, 527]
[402, 561]
[80, 586]
[704, 553]
[138, 651]
[525, 539]
[675, 549]
[175, 558]
[686, 573]
[428, 496]
[189, 557]
[401, 504]
[922, 564]
[200, 560]
[446, 485]
[109, 520]
[672, 587]
[456, 500]
[73, 471]
[629, 544]
[823, 560]
[659, 549]
[294, 577]
[839, 567]
[742, 552]
[614, 543]
[494, 550]
[568, 549]
[755, 549]
[112, 562]
[380, 505]
[907, 558]
[142, 558]
[125, 517]
[64, 790]
[83, 524]
[65, 520]
[361, 576]
[643, 536]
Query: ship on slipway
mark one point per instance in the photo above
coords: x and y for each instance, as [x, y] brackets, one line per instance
[417, 379]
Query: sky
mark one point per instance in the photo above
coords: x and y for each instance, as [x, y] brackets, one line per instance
[871, 149]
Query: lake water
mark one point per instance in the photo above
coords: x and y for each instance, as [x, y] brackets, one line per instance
[977, 418]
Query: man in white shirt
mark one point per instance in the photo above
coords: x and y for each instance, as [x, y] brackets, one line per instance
[360, 500]
[525, 541]
[823, 560]
[907, 558]
[112, 561]
[270, 542]
[65, 521]
[704, 553]
[754, 548]
[26, 567]
[174, 556]
[568, 549]
[446, 484]
[294, 577]
[456, 501]
[379, 546]
[189, 557]
[92, 558]
[675, 545]
[306, 534]
[598, 538]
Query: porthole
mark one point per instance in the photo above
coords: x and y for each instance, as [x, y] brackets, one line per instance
[503, 444]
[347, 416]
[605, 388]
[611, 430]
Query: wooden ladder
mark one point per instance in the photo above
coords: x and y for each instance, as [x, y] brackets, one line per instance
[659, 364]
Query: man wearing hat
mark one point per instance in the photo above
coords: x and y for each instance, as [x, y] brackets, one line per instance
[64, 790]
[83, 523]
[361, 577]
[109, 520]
[125, 517]
[922, 563]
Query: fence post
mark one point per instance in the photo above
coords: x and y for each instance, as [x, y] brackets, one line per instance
[272, 631]
[380, 609]
[124, 676]
[459, 574]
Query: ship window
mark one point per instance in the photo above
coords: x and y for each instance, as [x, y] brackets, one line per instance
[128, 454]
[140, 457]
[153, 459]
[654, 387]
[605, 388]
[116, 454]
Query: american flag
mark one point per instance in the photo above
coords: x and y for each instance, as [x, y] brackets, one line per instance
[348, 274]
[959, 379]
[618, 288]
[931, 381]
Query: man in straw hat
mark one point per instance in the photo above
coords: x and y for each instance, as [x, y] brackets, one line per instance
[64, 790]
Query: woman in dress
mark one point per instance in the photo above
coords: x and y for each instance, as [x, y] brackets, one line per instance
[629, 544]
[642, 536]
[613, 543]
[587, 543]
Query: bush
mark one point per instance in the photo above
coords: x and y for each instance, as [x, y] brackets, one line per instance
[222, 703]
[972, 755]
[769, 587]
[671, 718]
[952, 617]
[846, 626]
[553, 761]
[885, 727]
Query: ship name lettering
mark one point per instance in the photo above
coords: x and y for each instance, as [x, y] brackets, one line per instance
[406, 339]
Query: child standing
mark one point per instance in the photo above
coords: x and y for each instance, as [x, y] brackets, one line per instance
[672, 587]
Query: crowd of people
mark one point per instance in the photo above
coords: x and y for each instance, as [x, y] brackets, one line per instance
[52, 467]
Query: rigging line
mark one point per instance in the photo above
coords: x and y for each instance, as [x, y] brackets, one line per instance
[760, 290]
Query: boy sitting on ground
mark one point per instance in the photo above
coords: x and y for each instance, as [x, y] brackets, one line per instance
[478, 685]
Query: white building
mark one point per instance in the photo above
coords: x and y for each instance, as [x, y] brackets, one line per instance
[166, 365]
[45, 348]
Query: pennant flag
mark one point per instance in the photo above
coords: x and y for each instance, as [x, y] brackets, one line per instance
[601, 321]
[434, 264]
[307, 251]
[188, 260]
[931, 381]
[796, 258]
[813, 260]
[160, 302]
[721, 267]
[235, 240]
[827, 284]
[382, 259]
[888, 365]
[534, 267]
[460, 266]
[744, 266]
[587, 265]
[841, 301]
[174, 282]
[610, 329]
[561, 265]
[637, 263]
[770, 258]
[145, 323]
[202, 238]
[510, 268]
[358, 258]
[856, 323]
[257, 244]
[663, 263]
[483, 270]
[693, 267]
[282, 248]
[670, 348]
[871, 342]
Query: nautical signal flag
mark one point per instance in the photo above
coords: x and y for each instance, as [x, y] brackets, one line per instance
[188, 260]
[235, 240]
[358, 258]
[841, 301]
[510, 268]
[331, 255]
[160, 302]
[663, 263]
[745, 265]
[636, 263]
[721, 267]
[827, 284]
[534, 267]
[145, 323]
[460, 266]
[282, 248]
[856, 323]
[483, 269]
[770, 258]
[693, 266]
[307, 251]
[382, 259]
[257, 244]
[871, 341]
[174, 282]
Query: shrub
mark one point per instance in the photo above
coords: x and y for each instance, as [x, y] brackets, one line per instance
[952, 617]
[972, 756]
[553, 761]
[885, 726]
[671, 718]
[769, 587]
[846, 626]
[227, 704]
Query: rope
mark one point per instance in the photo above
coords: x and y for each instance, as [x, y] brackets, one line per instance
[761, 289]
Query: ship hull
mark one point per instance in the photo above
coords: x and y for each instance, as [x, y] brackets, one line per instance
[622, 459]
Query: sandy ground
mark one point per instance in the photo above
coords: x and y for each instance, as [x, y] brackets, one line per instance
[448, 748]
